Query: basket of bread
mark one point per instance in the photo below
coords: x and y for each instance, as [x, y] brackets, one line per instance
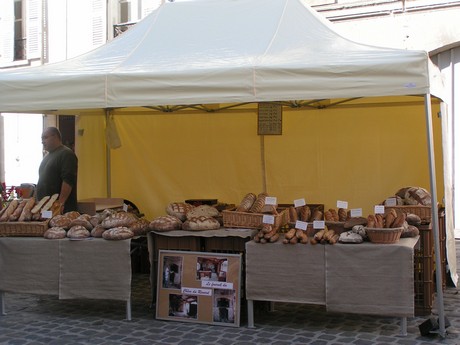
[385, 228]
[249, 214]
[24, 217]
[412, 200]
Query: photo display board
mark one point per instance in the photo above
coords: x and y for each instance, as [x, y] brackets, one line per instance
[199, 287]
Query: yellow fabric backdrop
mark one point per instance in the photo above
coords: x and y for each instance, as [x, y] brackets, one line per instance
[359, 155]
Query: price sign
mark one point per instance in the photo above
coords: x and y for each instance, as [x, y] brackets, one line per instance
[379, 209]
[342, 204]
[268, 219]
[270, 200]
[270, 119]
[318, 224]
[299, 202]
[390, 202]
[47, 214]
[356, 212]
[125, 207]
[301, 225]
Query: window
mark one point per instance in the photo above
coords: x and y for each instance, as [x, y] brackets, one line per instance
[19, 31]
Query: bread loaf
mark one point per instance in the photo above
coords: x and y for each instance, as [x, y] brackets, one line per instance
[304, 213]
[82, 220]
[120, 219]
[141, 227]
[26, 214]
[390, 217]
[55, 233]
[97, 231]
[342, 213]
[78, 231]
[317, 214]
[38, 206]
[179, 210]
[413, 219]
[399, 221]
[118, 233]
[165, 223]
[9, 210]
[18, 211]
[410, 231]
[201, 223]
[202, 210]
[246, 203]
[328, 217]
[259, 203]
[293, 216]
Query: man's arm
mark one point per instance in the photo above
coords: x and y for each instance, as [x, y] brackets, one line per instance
[66, 189]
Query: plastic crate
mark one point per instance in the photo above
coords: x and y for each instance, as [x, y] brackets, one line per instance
[425, 266]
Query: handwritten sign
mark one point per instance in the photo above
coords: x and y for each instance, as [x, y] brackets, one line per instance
[196, 291]
[270, 200]
[318, 224]
[379, 209]
[268, 219]
[301, 225]
[299, 202]
[216, 285]
[342, 204]
[356, 212]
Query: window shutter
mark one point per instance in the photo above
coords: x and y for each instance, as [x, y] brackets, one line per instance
[98, 23]
[33, 28]
[6, 31]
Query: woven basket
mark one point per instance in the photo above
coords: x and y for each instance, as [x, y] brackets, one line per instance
[338, 227]
[424, 212]
[246, 220]
[23, 229]
[384, 235]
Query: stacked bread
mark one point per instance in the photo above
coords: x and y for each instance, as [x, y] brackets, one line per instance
[184, 216]
[268, 234]
[109, 224]
[256, 204]
[305, 214]
[26, 210]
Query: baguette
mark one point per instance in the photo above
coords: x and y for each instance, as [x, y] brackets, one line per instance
[270, 234]
[40, 204]
[49, 203]
[290, 234]
[26, 214]
[17, 212]
[9, 210]
[302, 236]
[274, 238]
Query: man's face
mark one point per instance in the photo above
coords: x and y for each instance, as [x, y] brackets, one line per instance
[49, 140]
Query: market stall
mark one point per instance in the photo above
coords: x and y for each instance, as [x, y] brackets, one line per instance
[184, 99]
[69, 269]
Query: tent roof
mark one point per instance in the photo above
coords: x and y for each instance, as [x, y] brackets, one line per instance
[219, 51]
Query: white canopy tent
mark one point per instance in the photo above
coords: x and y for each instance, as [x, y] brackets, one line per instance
[227, 52]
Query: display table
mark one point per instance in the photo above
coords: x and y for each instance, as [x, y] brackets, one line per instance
[222, 240]
[366, 278]
[91, 269]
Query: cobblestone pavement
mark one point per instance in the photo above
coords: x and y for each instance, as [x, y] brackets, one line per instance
[33, 319]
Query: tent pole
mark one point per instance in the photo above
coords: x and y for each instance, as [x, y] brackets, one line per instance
[434, 216]
[108, 160]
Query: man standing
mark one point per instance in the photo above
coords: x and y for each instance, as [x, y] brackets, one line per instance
[58, 171]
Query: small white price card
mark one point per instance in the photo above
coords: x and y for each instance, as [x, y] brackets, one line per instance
[125, 207]
[301, 225]
[379, 209]
[318, 224]
[356, 212]
[390, 202]
[299, 202]
[268, 219]
[47, 214]
[270, 200]
[342, 204]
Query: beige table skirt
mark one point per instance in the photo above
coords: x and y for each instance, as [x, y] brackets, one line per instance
[367, 278]
[94, 268]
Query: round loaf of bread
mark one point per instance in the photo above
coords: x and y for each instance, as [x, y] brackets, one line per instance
[202, 210]
[179, 209]
[120, 219]
[61, 221]
[165, 223]
[141, 227]
[97, 231]
[78, 231]
[83, 220]
[201, 223]
[55, 233]
[118, 233]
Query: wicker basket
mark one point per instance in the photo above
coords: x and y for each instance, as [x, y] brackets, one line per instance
[23, 229]
[234, 219]
[338, 227]
[424, 212]
[384, 235]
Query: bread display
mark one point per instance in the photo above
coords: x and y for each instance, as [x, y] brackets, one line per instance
[179, 209]
[26, 214]
[165, 223]
[64, 220]
[267, 234]
[55, 233]
[117, 233]
[201, 223]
